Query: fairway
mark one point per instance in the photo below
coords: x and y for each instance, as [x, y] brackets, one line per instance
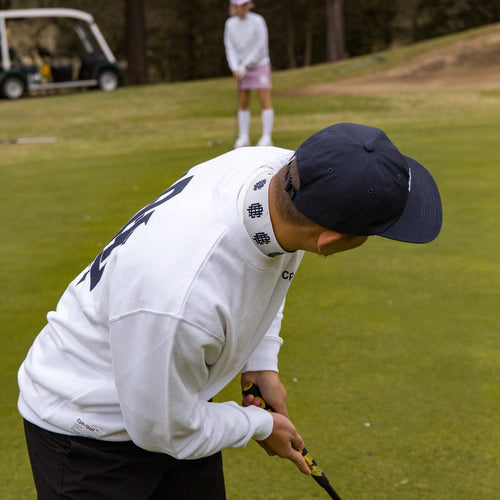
[391, 352]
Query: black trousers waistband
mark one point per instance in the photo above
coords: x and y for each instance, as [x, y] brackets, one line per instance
[79, 468]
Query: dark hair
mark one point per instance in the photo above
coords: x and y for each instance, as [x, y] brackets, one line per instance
[285, 207]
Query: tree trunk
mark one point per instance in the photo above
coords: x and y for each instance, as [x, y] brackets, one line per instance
[290, 42]
[136, 42]
[308, 42]
[335, 45]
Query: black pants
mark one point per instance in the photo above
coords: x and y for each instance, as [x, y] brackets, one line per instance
[78, 468]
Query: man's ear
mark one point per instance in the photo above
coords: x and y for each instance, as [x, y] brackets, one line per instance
[327, 237]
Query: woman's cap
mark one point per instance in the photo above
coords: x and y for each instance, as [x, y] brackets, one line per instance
[354, 180]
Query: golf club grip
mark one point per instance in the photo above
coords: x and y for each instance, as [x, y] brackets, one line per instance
[317, 474]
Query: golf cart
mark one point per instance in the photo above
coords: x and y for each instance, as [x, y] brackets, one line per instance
[44, 50]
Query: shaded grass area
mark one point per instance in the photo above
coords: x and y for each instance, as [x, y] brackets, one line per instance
[391, 351]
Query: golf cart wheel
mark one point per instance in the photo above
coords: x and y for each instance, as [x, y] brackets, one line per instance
[12, 87]
[108, 80]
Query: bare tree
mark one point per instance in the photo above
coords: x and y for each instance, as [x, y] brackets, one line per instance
[292, 61]
[135, 42]
[335, 45]
[308, 38]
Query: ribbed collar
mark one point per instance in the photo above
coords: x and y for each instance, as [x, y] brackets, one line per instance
[256, 216]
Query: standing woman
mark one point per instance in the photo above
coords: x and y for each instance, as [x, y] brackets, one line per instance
[247, 53]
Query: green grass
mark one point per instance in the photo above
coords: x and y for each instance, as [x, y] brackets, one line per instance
[401, 337]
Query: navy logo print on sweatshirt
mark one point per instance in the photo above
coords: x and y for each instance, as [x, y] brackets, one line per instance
[142, 217]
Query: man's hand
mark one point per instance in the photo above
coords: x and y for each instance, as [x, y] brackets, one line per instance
[271, 388]
[284, 439]
[285, 442]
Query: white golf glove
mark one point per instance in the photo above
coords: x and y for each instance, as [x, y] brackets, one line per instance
[242, 71]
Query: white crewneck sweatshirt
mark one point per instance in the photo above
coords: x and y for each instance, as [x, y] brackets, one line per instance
[175, 306]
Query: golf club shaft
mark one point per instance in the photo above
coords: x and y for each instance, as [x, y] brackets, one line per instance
[317, 474]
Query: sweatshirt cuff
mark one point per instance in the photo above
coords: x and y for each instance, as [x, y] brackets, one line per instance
[265, 356]
[263, 422]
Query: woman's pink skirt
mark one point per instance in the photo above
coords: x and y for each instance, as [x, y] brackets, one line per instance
[257, 77]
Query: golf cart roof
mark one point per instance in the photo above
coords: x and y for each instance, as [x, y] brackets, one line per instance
[27, 13]
[50, 13]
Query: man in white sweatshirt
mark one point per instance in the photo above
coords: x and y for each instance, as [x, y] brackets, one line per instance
[116, 390]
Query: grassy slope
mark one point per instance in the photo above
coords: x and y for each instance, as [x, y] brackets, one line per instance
[401, 337]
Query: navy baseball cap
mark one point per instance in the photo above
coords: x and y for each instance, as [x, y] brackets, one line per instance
[354, 180]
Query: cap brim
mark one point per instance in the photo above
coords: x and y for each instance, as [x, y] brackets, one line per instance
[423, 215]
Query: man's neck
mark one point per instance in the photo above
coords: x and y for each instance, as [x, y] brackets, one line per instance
[289, 236]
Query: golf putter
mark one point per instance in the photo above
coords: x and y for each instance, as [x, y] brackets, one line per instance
[317, 474]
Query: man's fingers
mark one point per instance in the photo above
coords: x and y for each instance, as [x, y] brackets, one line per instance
[297, 458]
[292, 455]
[251, 400]
[297, 442]
[286, 442]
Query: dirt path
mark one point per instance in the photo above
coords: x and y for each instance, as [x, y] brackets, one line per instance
[472, 63]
